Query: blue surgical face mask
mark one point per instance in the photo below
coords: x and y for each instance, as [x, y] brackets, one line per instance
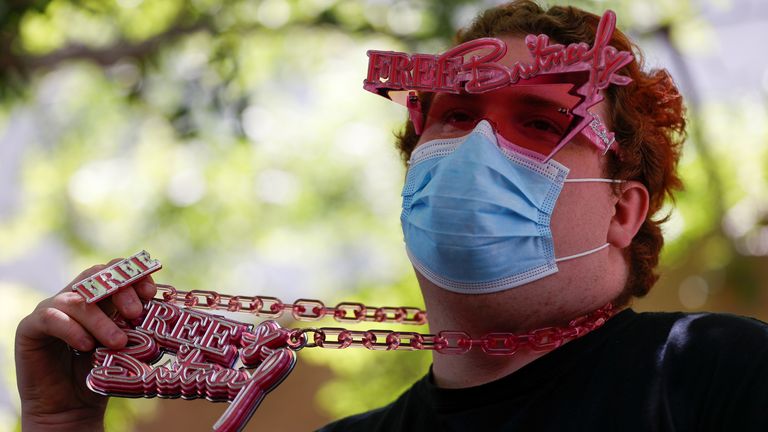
[476, 216]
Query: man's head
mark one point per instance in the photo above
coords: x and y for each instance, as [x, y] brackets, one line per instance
[647, 119]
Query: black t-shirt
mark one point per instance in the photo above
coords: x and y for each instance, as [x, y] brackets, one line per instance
[639, 372]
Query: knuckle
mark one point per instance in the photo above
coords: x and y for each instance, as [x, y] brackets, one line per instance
[49, 317]
[69, 300]
[24, 324]
[68, 332]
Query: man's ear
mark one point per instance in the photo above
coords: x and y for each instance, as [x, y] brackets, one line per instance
[629, 214]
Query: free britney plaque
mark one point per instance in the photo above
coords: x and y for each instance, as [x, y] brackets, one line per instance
[203, 351]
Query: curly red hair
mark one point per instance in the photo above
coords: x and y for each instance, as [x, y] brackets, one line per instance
[647, 116]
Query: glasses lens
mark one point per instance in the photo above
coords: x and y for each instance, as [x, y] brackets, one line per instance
[536, 115]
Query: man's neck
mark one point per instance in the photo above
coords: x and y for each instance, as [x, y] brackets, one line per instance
[479, 315]
[477, 368]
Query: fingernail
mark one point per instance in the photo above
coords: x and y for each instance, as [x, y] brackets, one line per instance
[86, 344]
[116, 336]
[147, 289]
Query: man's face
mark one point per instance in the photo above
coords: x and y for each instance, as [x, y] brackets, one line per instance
[529, 116]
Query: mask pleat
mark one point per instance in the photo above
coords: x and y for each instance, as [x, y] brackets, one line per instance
[477, 219]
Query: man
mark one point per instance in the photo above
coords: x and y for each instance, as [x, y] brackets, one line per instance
[529, 203]
[485, 158]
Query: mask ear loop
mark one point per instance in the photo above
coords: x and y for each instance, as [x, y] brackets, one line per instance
[599, 248]
[579, 255]
[593, 180]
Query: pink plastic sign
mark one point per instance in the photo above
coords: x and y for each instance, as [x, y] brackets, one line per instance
[476, 67]
[473, 66]
[206, 348]
[108, 281]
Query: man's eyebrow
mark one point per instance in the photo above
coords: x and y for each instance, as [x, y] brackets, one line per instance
[451, 98]
[522, 98]
[538, 101]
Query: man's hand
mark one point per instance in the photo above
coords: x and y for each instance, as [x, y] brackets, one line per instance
[50, 374]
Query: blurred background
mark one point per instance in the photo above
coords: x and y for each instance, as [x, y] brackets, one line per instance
[232, 139]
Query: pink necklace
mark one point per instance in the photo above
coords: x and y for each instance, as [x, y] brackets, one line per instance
[444, 342]
[205, 347]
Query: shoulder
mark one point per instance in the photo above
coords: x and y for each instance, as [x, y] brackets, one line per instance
[706, 343]
[680, 331]
[694, 329]
[710, 369]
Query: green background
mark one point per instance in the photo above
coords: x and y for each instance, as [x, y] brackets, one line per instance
[232, 139]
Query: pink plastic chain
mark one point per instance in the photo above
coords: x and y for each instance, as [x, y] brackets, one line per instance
[301, 310]
[205, 348]
[444, 342]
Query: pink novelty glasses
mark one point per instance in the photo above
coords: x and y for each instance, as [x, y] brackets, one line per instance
[538, 106]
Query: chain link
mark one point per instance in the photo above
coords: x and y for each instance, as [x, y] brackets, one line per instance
[301, 309]
[459, 342]
[444, 342]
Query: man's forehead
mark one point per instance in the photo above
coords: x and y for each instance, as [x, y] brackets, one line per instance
[517, 50]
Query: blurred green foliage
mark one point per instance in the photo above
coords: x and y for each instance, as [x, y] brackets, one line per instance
[232, 139]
